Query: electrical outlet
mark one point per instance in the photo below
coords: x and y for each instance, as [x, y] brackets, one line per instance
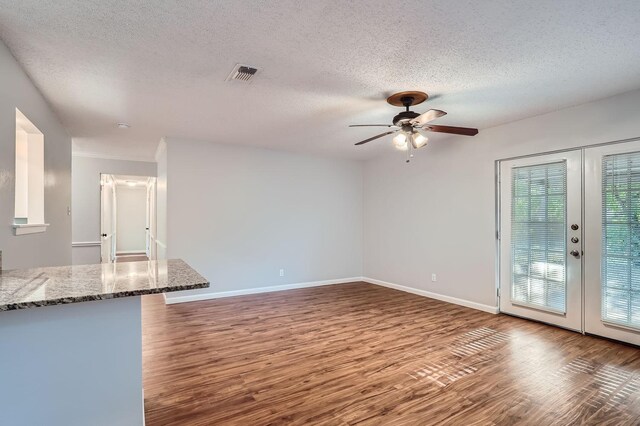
[282, 272]
[434, 278]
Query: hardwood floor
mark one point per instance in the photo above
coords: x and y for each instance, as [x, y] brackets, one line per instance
[131, 258]
[361, 354]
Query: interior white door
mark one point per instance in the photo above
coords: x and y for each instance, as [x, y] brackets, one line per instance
[540, 233]
[612, 241]
[107, 218]
[114, 219]
[147, 230]
[151, 219]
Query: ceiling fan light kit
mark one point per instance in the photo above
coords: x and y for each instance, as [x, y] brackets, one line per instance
[400, 142]
[418, 140]
[408, 124]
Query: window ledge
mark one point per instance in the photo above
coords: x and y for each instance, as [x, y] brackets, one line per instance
[29, 228]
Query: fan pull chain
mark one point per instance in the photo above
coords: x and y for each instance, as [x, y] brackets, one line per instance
[409, 153]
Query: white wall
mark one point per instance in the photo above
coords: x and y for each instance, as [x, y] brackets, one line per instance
[437, 214]
[52, 247]
[239, 214]
[161, 201]
[131, 219]
[86, 199]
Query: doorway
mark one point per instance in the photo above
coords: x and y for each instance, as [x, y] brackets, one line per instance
[127, 218]
[569, 239]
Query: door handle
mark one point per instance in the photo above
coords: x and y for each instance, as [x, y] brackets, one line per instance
[575, 253]
[104, 235]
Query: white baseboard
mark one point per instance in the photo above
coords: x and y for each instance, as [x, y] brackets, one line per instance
[86, 244]
[206, 296]
[256, 290]
[449, 299]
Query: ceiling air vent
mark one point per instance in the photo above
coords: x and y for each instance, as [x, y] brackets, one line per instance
[242, 73]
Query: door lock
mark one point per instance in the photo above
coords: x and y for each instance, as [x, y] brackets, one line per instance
[575, 227]
[575, 253]
[575, 240]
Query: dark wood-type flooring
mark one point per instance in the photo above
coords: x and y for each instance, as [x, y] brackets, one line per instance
[361, 354]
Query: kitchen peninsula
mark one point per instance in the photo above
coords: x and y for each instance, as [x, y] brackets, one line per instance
[63, 362]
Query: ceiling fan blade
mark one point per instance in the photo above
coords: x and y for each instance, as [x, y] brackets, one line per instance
[376, 137]
[423, 119]
[466, 131]
[371, 125]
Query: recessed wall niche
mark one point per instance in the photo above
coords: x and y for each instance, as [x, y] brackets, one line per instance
[29, 178]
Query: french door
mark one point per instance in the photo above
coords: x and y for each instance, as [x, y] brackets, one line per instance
[540, 244]
[612, 237]
[570, 239]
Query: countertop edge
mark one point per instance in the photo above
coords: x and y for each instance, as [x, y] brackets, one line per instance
[101, 296]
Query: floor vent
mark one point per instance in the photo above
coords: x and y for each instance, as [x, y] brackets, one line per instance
[242, 73]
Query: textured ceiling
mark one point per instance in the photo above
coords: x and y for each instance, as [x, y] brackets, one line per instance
[161, 66]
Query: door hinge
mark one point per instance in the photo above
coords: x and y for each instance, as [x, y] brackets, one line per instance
[498, 291]
[497, 235]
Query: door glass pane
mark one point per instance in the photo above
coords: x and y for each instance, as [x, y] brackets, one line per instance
[621, 239]
[538, 235]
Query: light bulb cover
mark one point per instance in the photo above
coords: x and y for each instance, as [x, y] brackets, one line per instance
[400, 142]
[418, 140]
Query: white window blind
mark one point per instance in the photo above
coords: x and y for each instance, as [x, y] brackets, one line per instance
[538, 236]
[621, 239]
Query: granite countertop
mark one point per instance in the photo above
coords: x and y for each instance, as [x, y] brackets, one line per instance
[28, 288]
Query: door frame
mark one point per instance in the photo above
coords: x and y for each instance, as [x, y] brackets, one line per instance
[498, 207]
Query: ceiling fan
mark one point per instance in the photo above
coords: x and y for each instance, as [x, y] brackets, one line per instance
[408, 124]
